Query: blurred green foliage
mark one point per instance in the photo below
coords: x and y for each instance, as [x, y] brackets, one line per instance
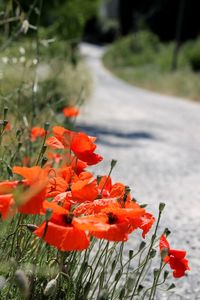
[192, 54]
[142, 59]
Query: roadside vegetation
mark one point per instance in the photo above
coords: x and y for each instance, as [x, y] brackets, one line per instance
[64, 229]
[143, 60]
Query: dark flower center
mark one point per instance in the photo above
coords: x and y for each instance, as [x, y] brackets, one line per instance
[67, 219]
[112, 219]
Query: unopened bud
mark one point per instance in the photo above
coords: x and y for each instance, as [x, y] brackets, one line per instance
[140, 288]
[50, 287]
[31, 227]
[165, 275]
[142, 245]
[172, 286]
[152, 253]
[122, 293]
[164, 253]
[48, 214]
[143, 205]
[167, 232]
[161, 206]
[46, 126]
[155, 272]
[5, 111]
[113, 163]
[2, 282]
[22, 282]
[130, 254]
[44, 161]
[98, 178]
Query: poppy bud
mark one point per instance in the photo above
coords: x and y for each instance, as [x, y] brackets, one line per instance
[155, 272]
[165, 275]
[172, 286]
[48, 214]
[113, 163]
[142, 245]
[166, 232]
[143, 205]
[130, 254]
[161, 206]
[50, 287]
[164, 253]
[44, 160]
[22, 282]
[103, 296]
[130, 283]
[31, 227]
[152, 253]
[5, 111]
[140, 288]
[122, 293]
[2, 282]
[46, 126]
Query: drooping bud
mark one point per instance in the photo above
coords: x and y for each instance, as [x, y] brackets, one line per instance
[50, 287]
[22, 282]
[31, 227]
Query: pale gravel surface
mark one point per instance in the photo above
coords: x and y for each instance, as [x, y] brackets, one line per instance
[156, 140]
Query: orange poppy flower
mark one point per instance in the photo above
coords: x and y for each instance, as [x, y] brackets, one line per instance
[175, 258]
[37, 132]
[71, 111]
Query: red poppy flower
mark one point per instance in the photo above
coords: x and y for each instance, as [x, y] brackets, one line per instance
[175, 258]
[84, 190]
[7, 187]
[112, 223]
[56, 185]
[31, 199]
[7, 206]
[54, 143]
[71, 111]
[83, 147]
[37, 132]
[61, 233]
[94, 207]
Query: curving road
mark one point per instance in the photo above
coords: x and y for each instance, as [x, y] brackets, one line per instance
[156, 140]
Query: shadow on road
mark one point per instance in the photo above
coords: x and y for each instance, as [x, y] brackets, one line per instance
[102, 132]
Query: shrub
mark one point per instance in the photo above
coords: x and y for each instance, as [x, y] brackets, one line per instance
[192, 52]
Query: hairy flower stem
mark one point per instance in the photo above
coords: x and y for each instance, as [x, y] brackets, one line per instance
[153, 290]
[147, 256]
[42, 150]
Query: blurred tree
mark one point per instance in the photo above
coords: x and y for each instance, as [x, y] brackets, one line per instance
[161, 17]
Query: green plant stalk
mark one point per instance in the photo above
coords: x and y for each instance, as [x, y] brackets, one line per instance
[147, 257]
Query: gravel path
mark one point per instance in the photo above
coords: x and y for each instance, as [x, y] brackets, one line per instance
[156, 140]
